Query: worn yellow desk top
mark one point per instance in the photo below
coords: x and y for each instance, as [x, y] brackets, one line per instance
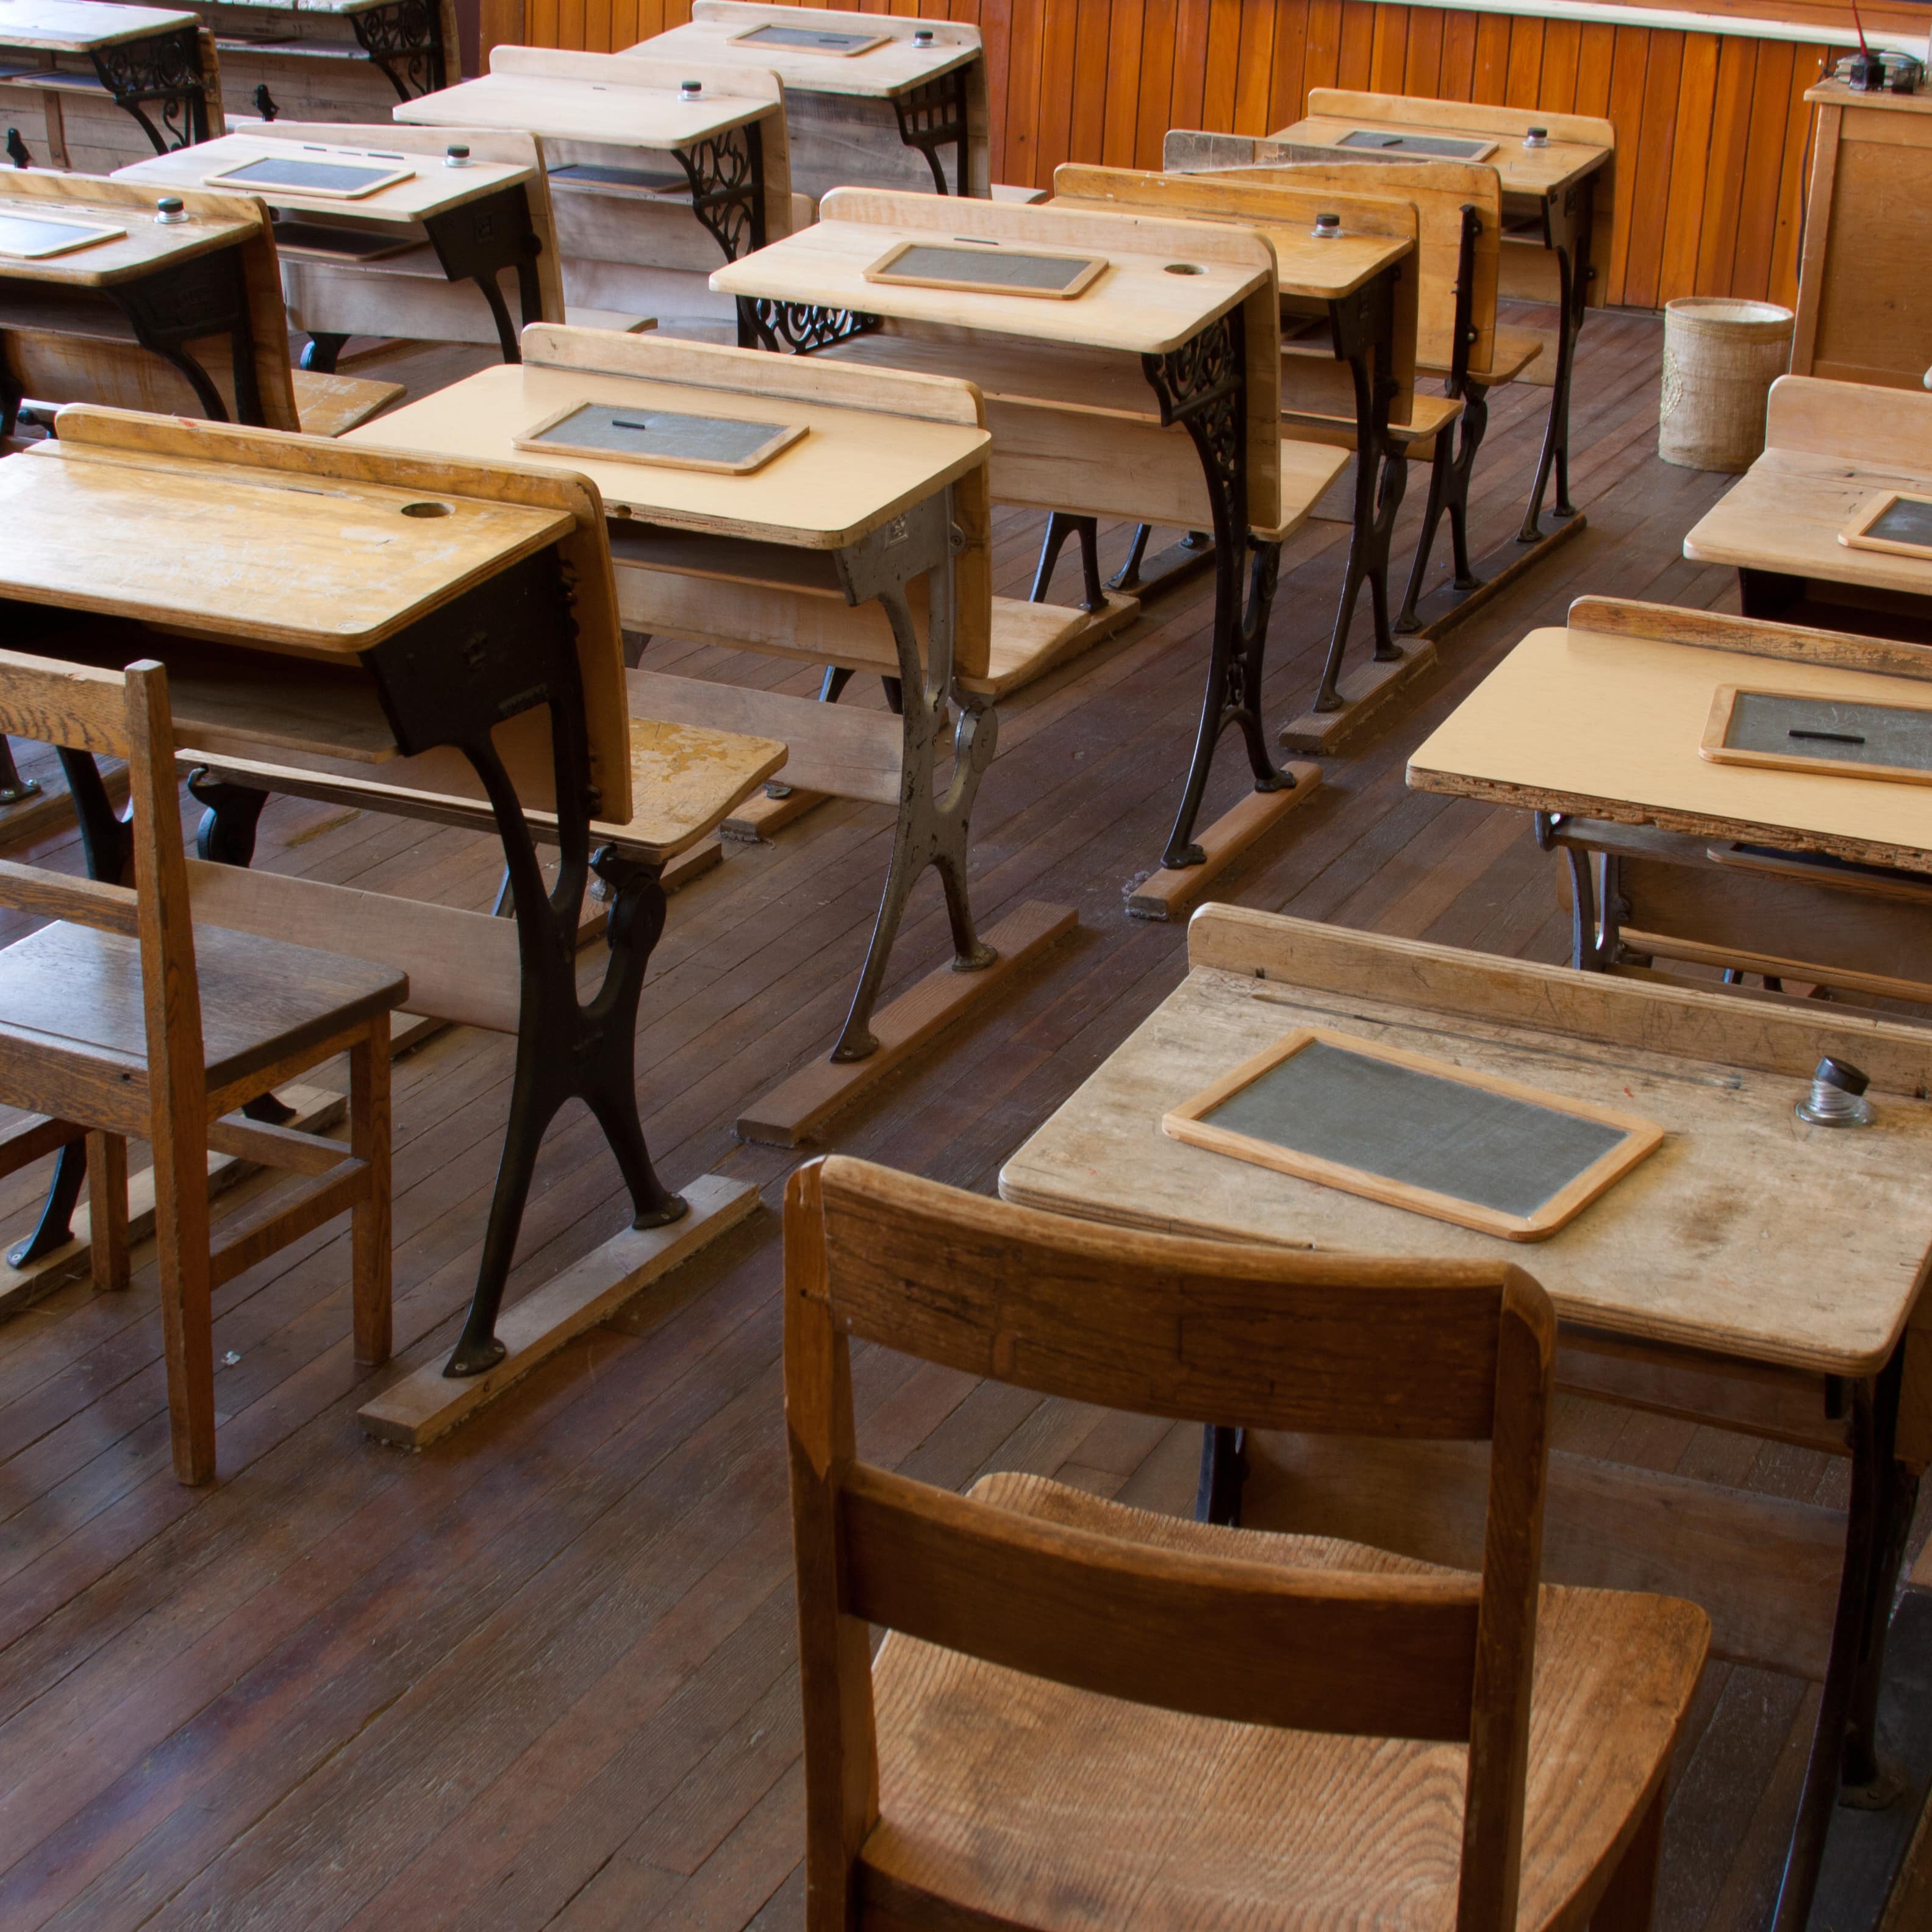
[1746, 1232]
[431, 189]
[147, 245]
[895, 67]
[319, 565]
[621, 110]
[1524, 171]
[1608, 727]
[853, 470]
[1136, 304]
[73, 26]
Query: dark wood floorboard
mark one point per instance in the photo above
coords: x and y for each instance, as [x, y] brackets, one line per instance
[543, 1676]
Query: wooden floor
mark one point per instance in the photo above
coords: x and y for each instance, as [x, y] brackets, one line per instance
[542, 1675]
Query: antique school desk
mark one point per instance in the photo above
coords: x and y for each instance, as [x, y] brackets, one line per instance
[650, 183]
[1753, 1273]
[112, 81]
[422, 636]
[871, 99]
[1831, 451]
[330, 60]
[1093, 403]
[1559, 197]
[1862, 312]
[1357, 389]
[1792, 872]
[422, 258]
[864, 544]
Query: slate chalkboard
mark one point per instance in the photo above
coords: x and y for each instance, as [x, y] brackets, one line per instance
[599, 174]
[809, 40]
[336, 180]
[32, 237]
[1897, 522]
[1441, 147]
[1418, 1133]
[999, 271]
[637, 434]
[1782, 729]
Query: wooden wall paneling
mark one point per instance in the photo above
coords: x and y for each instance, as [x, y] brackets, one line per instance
[1059, 43]
[1524, 87]
[1321, 52]
[1025, 69]
[1764, 160]
[1252, 85]
[1690, 159]
[1557, 91]
[1190, 65]
[995, 24]
[1156, 89]
[1807, 67]
[1423, 76]
[1087, 122]
[597, 27]
[1459, 57]
[1122, 126]
[1388, 53]
[1658, 139]
[1628, 64]
[1291, 51]
[1596, 55]
[1491, 82]
[1358, 43]
[1723, 180]
[1224, 54]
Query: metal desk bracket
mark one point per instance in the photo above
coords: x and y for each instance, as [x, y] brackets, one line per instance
[405, 40]
[1567, 219]
[164, 69]
[931, 115]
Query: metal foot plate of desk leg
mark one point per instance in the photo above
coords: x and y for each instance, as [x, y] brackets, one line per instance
[1367, 688]
[1446, 607]
[1166, 893]
[316, 1110]
[414, 1412]
[796, 1111]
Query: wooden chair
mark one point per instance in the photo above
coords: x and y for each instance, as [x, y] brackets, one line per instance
[104, 1032]
[1089, 1715]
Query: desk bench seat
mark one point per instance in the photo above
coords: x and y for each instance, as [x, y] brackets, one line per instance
[1515, 350]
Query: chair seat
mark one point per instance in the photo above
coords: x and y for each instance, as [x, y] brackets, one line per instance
[70, 996]
[1514, 350]
[1119, 1815]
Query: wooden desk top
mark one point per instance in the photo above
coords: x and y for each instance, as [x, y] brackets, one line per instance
[614, 98]
[1830, 449]
[73, 26]
[147, 245]
[1305, 268]
[433, 189]
[1603, 720]
[326, 566]
[1136, 304]
[711, 34]
[1746, 1233]
[1842, 94]
[854, 470]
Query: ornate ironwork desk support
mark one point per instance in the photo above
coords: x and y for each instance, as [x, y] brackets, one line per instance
[405, 40]
[931, 116]
[1567, 222]
[164, 71]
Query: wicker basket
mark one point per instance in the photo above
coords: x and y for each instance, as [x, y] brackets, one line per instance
[1721, 355]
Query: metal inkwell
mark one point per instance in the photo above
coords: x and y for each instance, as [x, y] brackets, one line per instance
[1837, 1098]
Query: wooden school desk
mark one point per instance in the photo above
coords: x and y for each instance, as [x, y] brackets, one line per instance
[1558, 198]
[1753, 1273]
[416, 636]
[1790, 873]
[330, 60]
[1353, 387]
[650, 186]
[839, 551]
[1831, 450]
[1093, 403]
[112, 81]
[1862, 312]
[395, 262]
[871, 99]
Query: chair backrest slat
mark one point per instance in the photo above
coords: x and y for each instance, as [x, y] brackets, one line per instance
[1214, 1637]
[56, 895]
[70, 705]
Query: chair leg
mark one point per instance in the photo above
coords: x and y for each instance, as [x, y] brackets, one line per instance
[369, 1222]
[1630, 1898]
[107, 1209]
[187, 1321]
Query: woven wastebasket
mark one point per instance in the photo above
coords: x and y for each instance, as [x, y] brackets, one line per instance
[1721, 355]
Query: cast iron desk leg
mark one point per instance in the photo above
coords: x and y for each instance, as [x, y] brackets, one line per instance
[405, 40]
[931, 116]
[163, 70]
[1566, 224]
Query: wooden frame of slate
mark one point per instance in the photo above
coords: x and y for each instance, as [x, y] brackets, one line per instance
[1476, 1136]
[1717, 747]
[260, 173]
[830, 44]
[1863, 531]
[1419, 145]
[58, 235]
[737, 456]
[1087, 267]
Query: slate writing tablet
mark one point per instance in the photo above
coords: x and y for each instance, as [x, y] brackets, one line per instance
[1442, 147]
[1784, 731]
[636, 434]
[988, 269]
[601, 174]
[809, 40]
[1419, 1133]
[329, 180]
[32, 237]
[1898, 522]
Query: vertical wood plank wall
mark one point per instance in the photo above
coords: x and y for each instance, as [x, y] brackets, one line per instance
[1712, 129]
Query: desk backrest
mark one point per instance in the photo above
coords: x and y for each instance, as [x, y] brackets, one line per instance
[1880, 428]
[1343, 104]
[585, 551]
[54, 366]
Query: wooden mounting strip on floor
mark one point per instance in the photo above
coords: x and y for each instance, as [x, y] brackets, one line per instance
[316, 1110]
[408, 1031]
[761, 815]
[412, 1413]
[52, 807]
[1442, 610]
[1365, 689]
[795, 1110]
[1169, 569]
[1162, 894]
[693, 863]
